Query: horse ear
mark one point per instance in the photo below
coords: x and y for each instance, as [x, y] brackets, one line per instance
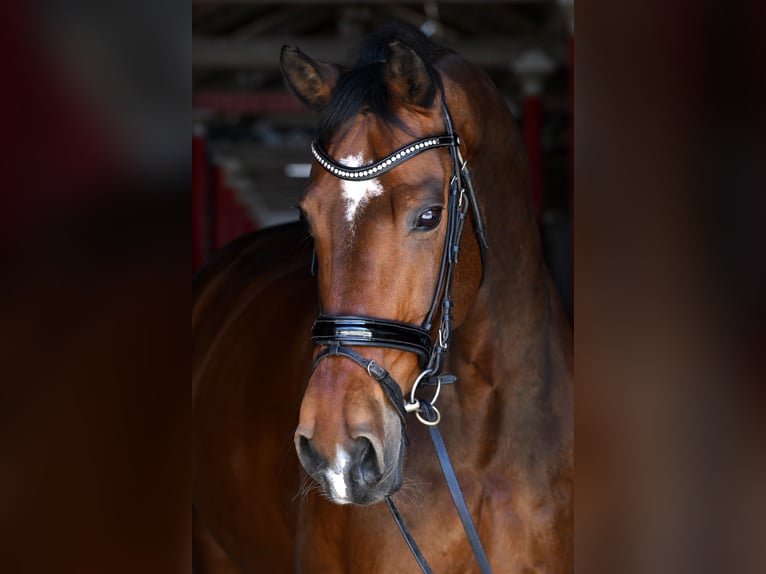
[312, 82]
[407, 76]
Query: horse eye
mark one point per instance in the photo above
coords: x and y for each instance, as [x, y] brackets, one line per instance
[429, 219]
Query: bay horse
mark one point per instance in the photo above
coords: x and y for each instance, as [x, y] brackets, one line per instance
[305, 419]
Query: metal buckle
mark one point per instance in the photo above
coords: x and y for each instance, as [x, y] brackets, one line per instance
[375, 371]
[443, 336]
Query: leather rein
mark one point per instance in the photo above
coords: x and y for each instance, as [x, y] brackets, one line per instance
[340, 333]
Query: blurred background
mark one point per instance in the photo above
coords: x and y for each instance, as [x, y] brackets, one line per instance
[251, 138]
[94, 234]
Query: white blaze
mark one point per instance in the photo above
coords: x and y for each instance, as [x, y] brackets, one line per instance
[357, 193]
[336, 476]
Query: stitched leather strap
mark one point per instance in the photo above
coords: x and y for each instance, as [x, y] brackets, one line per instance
[387, 383]
[457, 497]
[419, 558]
[359, 331]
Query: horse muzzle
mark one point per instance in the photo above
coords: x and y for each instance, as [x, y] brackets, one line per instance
[361, 471]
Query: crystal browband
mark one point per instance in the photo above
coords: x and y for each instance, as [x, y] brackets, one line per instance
[382, 166]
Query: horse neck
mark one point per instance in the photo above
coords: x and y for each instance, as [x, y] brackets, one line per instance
[511, 353]
[513, 364]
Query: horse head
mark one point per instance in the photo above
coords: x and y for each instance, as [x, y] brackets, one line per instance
[378, 208]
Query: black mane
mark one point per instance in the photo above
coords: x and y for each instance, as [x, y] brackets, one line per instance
[364, 87]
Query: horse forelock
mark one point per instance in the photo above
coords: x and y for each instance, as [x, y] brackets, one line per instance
[364, 88]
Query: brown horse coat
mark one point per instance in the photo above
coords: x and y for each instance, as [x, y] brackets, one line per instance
[507, 422]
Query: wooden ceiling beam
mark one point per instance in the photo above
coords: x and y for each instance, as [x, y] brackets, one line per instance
[264, 52]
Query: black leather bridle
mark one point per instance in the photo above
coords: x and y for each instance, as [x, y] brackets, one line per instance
[339, 334]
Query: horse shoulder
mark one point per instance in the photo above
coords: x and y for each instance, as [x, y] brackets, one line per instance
[252, 350]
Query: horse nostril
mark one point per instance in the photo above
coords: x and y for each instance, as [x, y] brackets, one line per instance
[368, 461]
[307, 454]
